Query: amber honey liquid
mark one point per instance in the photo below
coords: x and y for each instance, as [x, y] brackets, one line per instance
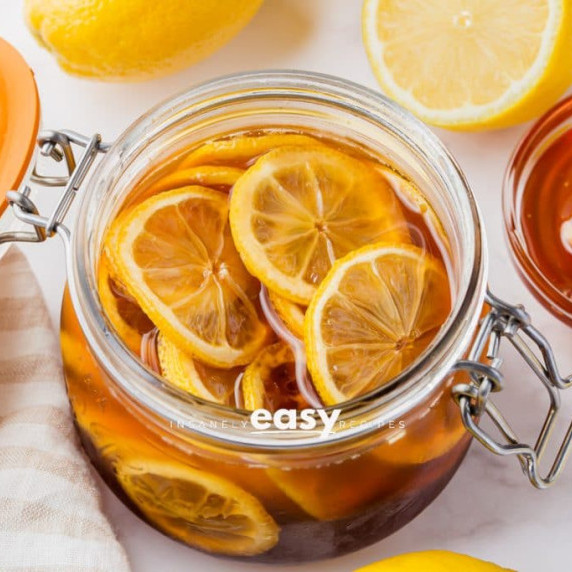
[322, 505]
[547, 214]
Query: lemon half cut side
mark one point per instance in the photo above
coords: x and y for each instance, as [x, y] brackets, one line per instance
[473, 64]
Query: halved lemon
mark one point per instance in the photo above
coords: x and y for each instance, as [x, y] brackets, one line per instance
[471, 64]
[124, 314]
[218, 177]
[199, 508]
[175, 254]
[269, 382]
[199, 379]
[238, 150]
[290, 313]
[298, 209]
[376, 311]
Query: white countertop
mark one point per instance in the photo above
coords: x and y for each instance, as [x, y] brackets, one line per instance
[489, 510]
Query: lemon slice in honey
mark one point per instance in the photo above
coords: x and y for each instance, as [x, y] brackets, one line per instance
[376, 311]
[299, 209]
[337, 490]
[199, 508]
[269, 382]
[128, 320]
[236, 151]
[290, 313]
[217, 177]
[175, 254]
[197, 378]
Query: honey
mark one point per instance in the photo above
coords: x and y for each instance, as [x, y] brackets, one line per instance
[547, 214]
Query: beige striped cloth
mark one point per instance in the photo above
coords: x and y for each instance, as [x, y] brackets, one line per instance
[50, 507]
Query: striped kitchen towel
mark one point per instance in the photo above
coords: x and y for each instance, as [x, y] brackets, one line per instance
[50, 507]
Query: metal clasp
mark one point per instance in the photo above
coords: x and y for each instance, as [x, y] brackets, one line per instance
[507, 322]
[57, 145]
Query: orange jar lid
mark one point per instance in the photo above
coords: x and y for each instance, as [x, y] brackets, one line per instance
[19, 118]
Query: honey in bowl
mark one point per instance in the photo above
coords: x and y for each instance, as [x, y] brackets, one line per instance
[538, 209]
[270, 269]
[547, 214]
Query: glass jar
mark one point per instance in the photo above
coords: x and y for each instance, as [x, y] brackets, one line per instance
[283, 496]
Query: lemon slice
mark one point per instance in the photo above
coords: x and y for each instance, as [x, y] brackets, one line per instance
[175, 254]
[298, 209]
[290, 313]
[337, 490]
[109, 244]
[197, 378]
[218, 177]
[269, 382]
[123, 312]
[471, 64]
[236, 151]
[435, 438]
[199, 508]
[415, 202]
[376, 311]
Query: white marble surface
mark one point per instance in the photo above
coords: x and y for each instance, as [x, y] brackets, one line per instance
[489, 510]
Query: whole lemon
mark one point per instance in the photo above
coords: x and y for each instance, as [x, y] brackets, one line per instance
[127, 40]
[432, 561]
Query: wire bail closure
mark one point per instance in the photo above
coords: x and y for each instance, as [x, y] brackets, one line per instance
[506, 321]
[57, 145]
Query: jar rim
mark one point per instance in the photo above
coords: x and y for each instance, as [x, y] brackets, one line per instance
[547, 129]
[188, 414]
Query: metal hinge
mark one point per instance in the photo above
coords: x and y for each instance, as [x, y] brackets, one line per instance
[505, 321]
[57, 145]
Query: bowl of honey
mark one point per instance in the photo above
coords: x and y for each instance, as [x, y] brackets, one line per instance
[537, 205]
